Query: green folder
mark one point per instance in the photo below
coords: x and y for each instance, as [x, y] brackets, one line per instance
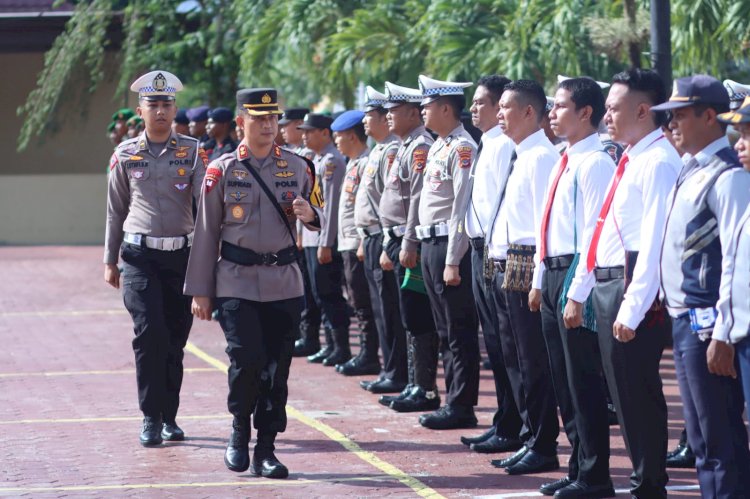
[413, 279]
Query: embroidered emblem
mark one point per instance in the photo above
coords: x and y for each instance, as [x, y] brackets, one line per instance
[240, 174]
[238, 196]
[242, 152]
[266, 99]
[159, 83]
[137, 173]
[316, 197]
[113, 162]
[212, 178]
[203, 156]
[142, 144]
[288, 196]
[135, 158]
[465, 156]
[418, 159]
[181, 172]
[277, 150]
[180, 154]
[282, 163]
[238, 211]
[389, 160]
[181, 187]
[283, 174]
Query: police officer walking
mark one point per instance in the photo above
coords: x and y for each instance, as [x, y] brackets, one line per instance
[256, 285]
[152, 182]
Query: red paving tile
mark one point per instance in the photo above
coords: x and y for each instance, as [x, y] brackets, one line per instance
[73, 431]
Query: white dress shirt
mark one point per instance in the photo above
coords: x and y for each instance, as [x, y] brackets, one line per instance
[489, 175]
[635, 222]
[733, 323]
[594, 168]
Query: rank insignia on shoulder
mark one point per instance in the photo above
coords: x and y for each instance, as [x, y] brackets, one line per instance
[113, 162]
[181, 172]
[238, 196]
[282, 163]
[135, 158]
[213, 175]
[285, 174]
[181, 187]
[239, 174]
[465, 155]
[181, 154]
[203, 156]
[242, 152]
[277, 151]
[173, 142]
[419, 159]
[142, 145]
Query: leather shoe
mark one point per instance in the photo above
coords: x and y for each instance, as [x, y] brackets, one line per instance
[386, 386]
[418, 400]
[237, 455]
[337, 357]
[448, 418]
[268, 467]
[612, 415]
[510, 461]
[303, 348]
[682, 457]
[151, 433]
[172, 433]
[533, 462]
[359, 367]
[387, 399]
[582, 489]
[365, 384]
[549, 489]
[321, 355]
[481, 438]
[496, 444]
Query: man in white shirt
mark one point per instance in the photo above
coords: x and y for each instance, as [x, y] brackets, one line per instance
[522, 106]
[575, 194]
[623, 258]
[705, 206]
[489, 170]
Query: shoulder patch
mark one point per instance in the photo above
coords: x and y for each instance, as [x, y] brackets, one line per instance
[242, 152]
[418, 159]
[389, 158]
[465, 156]
[113, 161]
[330, 168]
[213, 175]
[204, 157]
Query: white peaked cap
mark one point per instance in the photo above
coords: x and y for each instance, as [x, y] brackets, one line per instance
[158, 85]
[397, 95]
[432, 89]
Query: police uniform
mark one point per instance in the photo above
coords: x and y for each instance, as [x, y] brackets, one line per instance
[149, 225]
[327, 279]
[711, 193]
[244, 258]
[216, 149]
[199, 115]
[444, 242]
[399, 208]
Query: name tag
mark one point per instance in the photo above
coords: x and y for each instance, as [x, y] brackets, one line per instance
[702, 320]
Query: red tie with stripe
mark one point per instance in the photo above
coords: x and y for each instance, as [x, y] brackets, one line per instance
[591, 257]
[548, 207]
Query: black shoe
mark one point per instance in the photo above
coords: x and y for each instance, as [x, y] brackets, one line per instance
[386, 400]
[448, 418]
[418, 400]
[481, 438]
[339, 356]
[681, 458]
[580, 489]
[172, 432]
[386, 386]
[320, 356]
[549, 489]
[612, 415]
[533, 462]
[359, 367]
[365, 384]
[303, 348]
[237, 455]
[151, 433]
[486, 364]
[496, 444]
[268, 467]
[510, 461]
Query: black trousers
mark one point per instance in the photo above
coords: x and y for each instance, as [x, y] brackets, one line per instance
[384, 291]
[533, 360]
[632, 372]
[358, 290]
[311, 316]
[152, 292]
[506, 420]
[327, 282]
[575, 362]
[260, 341]
[456, 323]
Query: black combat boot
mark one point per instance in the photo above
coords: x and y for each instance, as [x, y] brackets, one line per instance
[341, 351]
[237, 455]
[309, 339]
[151, 433]
[387, 399]
[324, 352]
[265, 463]
[367, 361]
[424, 396]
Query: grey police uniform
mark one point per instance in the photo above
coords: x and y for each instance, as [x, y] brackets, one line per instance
[255, 277]
[445, 193]
[150, 225]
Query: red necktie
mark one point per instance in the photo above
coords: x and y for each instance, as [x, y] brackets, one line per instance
[591, 257]
[548, 207]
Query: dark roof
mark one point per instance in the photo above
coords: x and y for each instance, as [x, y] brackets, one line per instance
[33, 6]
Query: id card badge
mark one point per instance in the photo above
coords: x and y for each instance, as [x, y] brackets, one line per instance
[702, 320]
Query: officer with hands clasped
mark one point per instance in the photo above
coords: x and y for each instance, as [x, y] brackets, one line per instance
[153, 179]
[244, 264]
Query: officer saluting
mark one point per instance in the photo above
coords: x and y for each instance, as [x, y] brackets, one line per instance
[256, 285]
[150, 224]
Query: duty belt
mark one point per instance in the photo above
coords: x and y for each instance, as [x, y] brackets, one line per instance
[245, 256]
[393, 232]
[159, 243]
[432, 231]
[609, 273]
[372, 230]
[477, 243]
[561, 262]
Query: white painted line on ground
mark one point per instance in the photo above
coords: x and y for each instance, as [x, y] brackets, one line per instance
[536, 493]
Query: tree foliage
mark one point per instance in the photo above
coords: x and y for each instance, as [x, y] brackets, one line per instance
[321, 50]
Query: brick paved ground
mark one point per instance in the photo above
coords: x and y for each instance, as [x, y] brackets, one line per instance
[69, 420]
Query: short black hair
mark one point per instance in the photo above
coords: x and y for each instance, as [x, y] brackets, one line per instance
[648, 82]
[529, 93]
[699, 109]
[455, 102]
[584, 92]
[495, 84]
[359, 131]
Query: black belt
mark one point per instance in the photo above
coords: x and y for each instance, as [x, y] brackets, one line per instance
[609, 273]
[561, 262]
[477, 243]
[244, 256]
[499, 265]
[391, 233]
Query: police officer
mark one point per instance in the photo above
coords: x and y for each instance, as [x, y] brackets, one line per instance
[291, 119]
[446, 261]
[120, 119]
[135, 127]
[382, 285]
[219, 130]
[256, 285]
[398, 208]
[325, 265]
[711, 192]
[181, 123]
[198, 117]
[152, 182]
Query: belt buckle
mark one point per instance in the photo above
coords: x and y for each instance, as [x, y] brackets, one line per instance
[167, 244]
[270, 259]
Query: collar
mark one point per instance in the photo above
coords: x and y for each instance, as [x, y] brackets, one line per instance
[643, 144]
[365, 153]
[329, 149]
[586, 145]
[390, 138]
[530, 141]
[704, 156]
[420, 130]
[492, 133]
[143, 141]
[455, 132]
